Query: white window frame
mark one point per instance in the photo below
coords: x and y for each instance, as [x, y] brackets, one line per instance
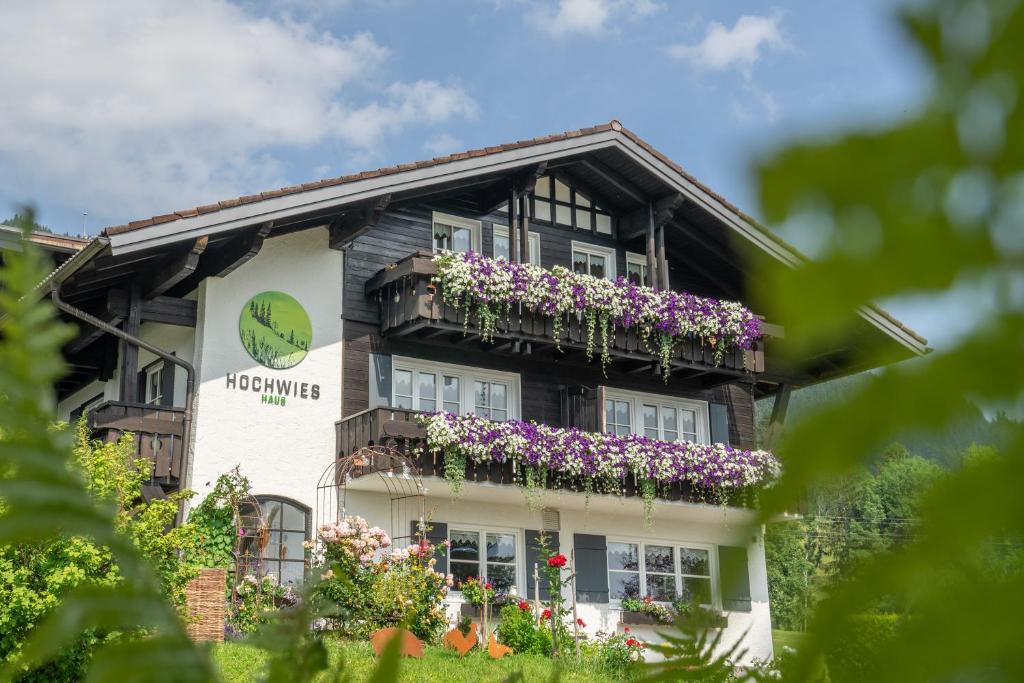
[711, 548]
[467, 377]
[501, 232]
[483, 529]
[154, 369]
[456, 221]
[595, 250]
[637, 400]
[633, 258]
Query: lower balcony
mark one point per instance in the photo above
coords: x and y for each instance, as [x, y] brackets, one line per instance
[157, 432]
[405, 431]
[411, 306]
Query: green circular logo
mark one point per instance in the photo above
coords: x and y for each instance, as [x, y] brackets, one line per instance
[275, 330]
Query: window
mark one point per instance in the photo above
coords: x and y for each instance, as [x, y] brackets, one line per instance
[287, 524]
[428, 386]
[636, 269]
[500, 249]
[154, 383]
[660, 570]
[570, 207]
[591, 259]
[454, 233]
[657, 417]
[485, 555]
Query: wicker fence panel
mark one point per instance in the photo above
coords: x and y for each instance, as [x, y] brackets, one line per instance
[207, 606]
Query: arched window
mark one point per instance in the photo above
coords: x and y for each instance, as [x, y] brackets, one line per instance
[287, 522]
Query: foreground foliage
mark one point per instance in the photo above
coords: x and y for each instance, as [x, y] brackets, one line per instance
[916, 208]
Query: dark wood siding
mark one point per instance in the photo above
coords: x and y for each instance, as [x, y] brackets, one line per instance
[404, 229]
[541, 381]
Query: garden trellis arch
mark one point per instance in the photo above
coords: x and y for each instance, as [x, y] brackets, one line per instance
[384, 469]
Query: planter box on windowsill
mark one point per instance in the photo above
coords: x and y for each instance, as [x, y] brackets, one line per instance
[719, 620]
[639, 619]
[473, 612]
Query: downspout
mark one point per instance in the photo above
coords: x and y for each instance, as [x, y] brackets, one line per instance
[190, 372]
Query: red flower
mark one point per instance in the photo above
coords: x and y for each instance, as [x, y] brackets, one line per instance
[546, 614]
[487, 585]
[625, 629]
[579, 622]
[558, 560]
[523, 605]
[633, 642]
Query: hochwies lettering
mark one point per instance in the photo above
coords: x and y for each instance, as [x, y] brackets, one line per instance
[274, 391]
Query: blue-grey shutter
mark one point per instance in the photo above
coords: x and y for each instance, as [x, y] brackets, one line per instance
[591, 568]
[167, 383]
[437, 534]
[719, 415]
[732, 563]
[380, 380]
[533, 557]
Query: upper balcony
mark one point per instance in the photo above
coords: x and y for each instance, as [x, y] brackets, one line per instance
[157, 432]
[413, 303]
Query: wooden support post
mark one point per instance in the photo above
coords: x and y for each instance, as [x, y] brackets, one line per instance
[524, 231]
[662, 259]
[129, 383]
[536, 592]
[774, 430]
[652, 261]
[572, 591]
[512, 225]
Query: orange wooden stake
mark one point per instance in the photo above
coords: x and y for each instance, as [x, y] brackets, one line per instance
[496, 650]
[459, 642]
[411, 645]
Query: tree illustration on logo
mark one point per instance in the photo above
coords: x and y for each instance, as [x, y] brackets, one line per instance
[275, 330]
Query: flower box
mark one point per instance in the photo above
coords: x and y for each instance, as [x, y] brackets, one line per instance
[639, 619]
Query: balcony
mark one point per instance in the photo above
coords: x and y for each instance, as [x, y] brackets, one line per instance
[411, 306]
[402, 430]
[156, 430]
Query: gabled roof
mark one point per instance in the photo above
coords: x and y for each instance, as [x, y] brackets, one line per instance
[285, 203]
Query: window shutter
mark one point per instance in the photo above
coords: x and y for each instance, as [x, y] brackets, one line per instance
[735, 579]
[591, 568]
[533, 558]
[719, 417]
[437, 534]
[583, 408]
[380, 380]
[167, 384]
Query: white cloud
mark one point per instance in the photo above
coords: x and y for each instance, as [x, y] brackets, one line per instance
[444, 143]
[741, 46]
[129, 108]
[589, 17]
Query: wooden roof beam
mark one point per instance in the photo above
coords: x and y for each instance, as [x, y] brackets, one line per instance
[352, 224]
[635, 224]
[175, 270]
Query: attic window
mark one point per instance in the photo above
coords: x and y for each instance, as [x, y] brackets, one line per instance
[569, 207]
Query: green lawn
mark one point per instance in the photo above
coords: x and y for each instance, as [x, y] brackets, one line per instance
[239, 662]
[791, 639]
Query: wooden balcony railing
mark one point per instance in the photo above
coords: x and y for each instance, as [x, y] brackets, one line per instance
[410, 305]
[157, 432]
[399, 428]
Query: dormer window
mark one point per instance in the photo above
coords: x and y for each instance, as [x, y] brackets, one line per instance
[554, 201]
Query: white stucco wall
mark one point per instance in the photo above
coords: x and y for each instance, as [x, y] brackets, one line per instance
[282, 449]
[488, 507]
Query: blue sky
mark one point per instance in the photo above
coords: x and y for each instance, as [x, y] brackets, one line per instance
[128, 109]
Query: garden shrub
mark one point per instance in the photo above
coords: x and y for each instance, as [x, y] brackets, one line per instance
[613, 654]
[519, 630]
[34, 578]
[856, 656]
